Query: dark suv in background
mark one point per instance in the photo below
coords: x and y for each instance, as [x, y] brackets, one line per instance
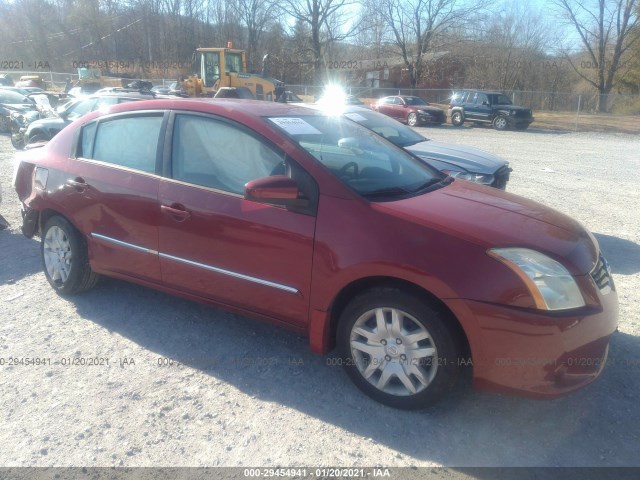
[488, 107]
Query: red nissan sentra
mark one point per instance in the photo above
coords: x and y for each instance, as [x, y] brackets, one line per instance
[317, 224]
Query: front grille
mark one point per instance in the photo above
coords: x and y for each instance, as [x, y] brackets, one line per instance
[501, 177]
[601, 275]
[523, 113]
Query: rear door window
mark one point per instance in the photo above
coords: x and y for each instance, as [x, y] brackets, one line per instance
[130, 142]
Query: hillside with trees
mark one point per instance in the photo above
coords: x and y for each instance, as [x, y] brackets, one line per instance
[567, 46]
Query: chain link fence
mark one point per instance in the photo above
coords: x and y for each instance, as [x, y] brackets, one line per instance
[537, 101]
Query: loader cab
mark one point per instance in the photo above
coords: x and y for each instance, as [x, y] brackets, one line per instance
[210, 60]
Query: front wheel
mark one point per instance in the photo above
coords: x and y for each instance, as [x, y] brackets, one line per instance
[398, 349]
[5, 124]
[17, 140]
[500, 123]
[456, 119]
[412, 119]
[64, 257]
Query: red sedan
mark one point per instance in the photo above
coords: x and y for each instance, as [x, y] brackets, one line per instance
[410, 110]
[315, 223]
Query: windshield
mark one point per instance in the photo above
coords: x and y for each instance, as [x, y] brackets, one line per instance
[394, 131]
[501, 100]
[414, 101]
[359, 158]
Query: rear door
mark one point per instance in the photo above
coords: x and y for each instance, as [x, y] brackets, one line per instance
[110, 192]
[216, 244]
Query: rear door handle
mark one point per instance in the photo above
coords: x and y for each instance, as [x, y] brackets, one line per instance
[177, 211]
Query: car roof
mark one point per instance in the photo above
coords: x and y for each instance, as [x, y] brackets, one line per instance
[250, 108]
[476, 90]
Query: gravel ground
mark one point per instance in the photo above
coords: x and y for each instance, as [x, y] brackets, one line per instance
[189, 385]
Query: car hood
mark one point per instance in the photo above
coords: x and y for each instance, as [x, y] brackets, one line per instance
[51, 122]
[492, 218]
[19, 107]
[448, 154]
[427, 108]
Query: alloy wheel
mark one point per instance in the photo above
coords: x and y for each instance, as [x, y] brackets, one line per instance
[393, 351]
[57, 254]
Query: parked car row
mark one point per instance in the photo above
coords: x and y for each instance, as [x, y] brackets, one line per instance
[474, 106]
[316, 223]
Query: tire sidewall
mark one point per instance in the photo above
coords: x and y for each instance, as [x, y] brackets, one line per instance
[435, 323]
[74, 278]
[497, 122]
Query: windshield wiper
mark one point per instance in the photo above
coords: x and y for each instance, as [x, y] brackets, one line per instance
[386, 192]
[434, 181]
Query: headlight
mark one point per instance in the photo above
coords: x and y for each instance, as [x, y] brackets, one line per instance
[24, 119]
[422, 112]
[550, 284]
[482, 178]
[513, 112]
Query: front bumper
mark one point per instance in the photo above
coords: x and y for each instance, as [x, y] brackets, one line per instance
[519, 121]
[435, 119]
[534, 354]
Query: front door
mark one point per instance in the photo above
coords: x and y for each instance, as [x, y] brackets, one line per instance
[216, 244]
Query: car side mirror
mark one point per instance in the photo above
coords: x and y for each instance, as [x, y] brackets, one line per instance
[277, 189]
[485, 103]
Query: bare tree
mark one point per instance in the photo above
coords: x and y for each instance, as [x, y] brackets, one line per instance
[326, 23]
[418, 25]
[606, 29]
[254, 14]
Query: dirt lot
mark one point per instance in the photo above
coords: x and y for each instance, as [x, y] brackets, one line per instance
[188, 385]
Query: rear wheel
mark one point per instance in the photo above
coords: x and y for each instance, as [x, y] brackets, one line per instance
[64, 257]
[500, 122]
[456, 119]
[398, 349]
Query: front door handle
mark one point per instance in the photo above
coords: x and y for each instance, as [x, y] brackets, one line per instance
[177, 211]
[77, 183]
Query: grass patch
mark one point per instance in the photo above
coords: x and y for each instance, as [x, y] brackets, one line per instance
[587, 122]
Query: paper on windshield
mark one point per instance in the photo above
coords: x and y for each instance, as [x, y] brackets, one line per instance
[295, 126]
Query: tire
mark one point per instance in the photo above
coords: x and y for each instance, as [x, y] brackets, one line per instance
[5, 125]
[64, 257]
[456, 119]
[17, 141]
[410, 368]
[412, 119]
[500, 122]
